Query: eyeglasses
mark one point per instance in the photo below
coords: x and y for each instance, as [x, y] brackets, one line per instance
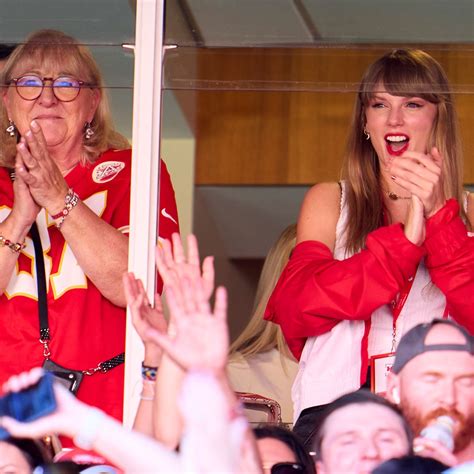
[287, 468]
[65, 88]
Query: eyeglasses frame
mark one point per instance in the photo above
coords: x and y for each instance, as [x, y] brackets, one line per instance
[82, 84]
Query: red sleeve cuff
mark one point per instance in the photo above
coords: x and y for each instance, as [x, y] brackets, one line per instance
[445, 234]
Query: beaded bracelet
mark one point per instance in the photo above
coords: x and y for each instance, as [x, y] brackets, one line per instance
[149, 373]
[15, 247]
[70, 202]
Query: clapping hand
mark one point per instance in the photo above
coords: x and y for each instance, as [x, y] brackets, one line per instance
[39, 171]
[421, 175]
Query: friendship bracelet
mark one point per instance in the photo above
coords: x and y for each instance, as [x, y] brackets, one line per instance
[149, 373]
[14, 247]
[70, 202]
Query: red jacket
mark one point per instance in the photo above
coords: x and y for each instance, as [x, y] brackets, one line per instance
[315, 291]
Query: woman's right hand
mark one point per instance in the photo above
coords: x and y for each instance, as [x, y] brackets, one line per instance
[25, 208]
[415, 221]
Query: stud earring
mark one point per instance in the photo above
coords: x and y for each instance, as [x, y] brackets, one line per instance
[367, 134]
[88, 131]
[11, 129]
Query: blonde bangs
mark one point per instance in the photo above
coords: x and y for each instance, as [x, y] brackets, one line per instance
[65, 59]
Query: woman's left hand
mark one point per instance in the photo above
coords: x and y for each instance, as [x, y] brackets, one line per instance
[421, 175]
[144, 316]
[41, 174]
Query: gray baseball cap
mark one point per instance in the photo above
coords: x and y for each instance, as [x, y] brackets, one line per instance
[412, 343]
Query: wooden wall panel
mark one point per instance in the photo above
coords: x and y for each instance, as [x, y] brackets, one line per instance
[293, 133]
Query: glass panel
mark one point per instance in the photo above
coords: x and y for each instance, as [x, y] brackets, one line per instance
[230, 23]
[267, 90]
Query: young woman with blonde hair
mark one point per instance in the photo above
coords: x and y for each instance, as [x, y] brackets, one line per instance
[259, 360]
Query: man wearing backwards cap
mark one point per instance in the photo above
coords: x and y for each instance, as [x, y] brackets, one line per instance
[433, 376]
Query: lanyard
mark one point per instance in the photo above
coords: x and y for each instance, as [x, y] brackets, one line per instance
[397, 306]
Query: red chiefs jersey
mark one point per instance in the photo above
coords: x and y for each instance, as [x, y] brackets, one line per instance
[86, 328]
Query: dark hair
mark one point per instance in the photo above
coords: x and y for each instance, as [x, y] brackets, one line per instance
[6, 50]
[287, 437]
[33, 451]
[411, 464]
[359, 397]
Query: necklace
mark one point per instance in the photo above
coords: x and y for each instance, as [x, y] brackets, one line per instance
[395, 197]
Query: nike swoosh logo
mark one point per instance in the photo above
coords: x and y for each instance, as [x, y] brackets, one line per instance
[168, 216]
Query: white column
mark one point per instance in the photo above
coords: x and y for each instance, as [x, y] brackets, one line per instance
[145, 171]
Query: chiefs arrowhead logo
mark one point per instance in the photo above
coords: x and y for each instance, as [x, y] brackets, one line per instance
[107, 171]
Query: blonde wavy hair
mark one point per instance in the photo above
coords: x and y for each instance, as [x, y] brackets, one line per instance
[407, 73]
[56, 50]
[260, 335]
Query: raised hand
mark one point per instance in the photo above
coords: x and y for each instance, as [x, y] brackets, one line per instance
[430, 448]
[39, 171]
[201, 340]
[421, 175]
[144, 316]
[63, 420]
[173, 265]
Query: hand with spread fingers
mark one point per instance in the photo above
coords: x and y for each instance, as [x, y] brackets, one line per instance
[201, 340]
[173, 265]
[421, 175]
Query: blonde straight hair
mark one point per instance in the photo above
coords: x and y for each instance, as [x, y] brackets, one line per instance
[55, 49]
[260, 335]
[407, 73]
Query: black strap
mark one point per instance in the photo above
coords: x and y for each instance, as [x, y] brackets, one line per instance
[43, 302]
[41, 281]
[111, 363]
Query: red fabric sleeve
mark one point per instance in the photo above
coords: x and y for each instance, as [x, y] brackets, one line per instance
[450, 261]
[316, 291]
[168, 222]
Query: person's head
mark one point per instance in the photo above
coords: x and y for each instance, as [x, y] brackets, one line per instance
[260, 335]
[21, 456]
[358, 431]
[63, 107]
[404, 95]
[280, 448]
[433, 375]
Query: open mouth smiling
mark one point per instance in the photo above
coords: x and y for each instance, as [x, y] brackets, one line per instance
[396, 144]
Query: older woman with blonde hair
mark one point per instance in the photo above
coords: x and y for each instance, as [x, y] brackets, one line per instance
[64, 216]
[260, 361]
[386, 248]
